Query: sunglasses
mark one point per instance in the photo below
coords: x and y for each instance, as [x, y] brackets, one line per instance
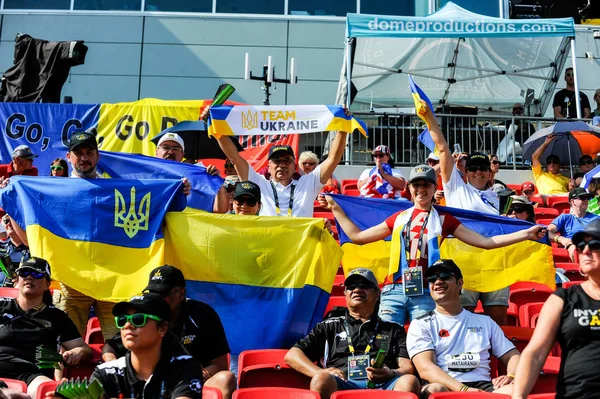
[553, 161]
[282, 160]
[136, 319]
[27, 273]
[527, 192]
[441, 276]
[478, 168]
[584, 197]
[495, 162]
[517, 209]
[587, 163]
[56, 167]
[248, 201]
[229, 165]
[363, 285]
[593, 244]
[378, 155]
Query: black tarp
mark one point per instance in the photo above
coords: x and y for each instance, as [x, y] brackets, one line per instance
[40, 69]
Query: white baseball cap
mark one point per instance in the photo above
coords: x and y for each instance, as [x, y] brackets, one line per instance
[172, 137]
[433, 157]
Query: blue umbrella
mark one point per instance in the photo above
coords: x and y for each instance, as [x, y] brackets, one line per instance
[197, 143]
[565, 144]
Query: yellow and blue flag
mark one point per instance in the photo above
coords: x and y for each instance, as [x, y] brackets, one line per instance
[484, 270]
[418, 94]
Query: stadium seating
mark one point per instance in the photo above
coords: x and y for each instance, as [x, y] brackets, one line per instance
[274, 393]
[522, 296]
[93, 332]
[45, 387]
[211, 393]
[528, 313]
[545, 213]
[467, 395]
[551, 200]
[542, 396]
[536, 198]
[571, 271]
[85, 369]
[512, 313]
[562, 206]
[349, 184]
[338, 285]
[8, 292]
[568, 284]
[515, 187]
[544, 221]
[519, 336]
[354, 192]
[560, 255]
[266, 368]
[15, 385]
[325, 215]
[335, 301]
[546, 382]
[375, 394]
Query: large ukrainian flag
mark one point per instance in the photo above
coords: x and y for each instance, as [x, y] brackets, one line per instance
[484, 270]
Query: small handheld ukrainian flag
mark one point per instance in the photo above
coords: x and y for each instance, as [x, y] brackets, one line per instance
[418, 94]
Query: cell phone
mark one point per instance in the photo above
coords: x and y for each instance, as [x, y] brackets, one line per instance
[457, 149]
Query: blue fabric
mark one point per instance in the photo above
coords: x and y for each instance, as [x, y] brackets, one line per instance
[346, 385]
[398, 308]
[568, 224]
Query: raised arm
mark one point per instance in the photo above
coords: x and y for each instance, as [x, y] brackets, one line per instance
[357, 235]
[446, 160]
[334, 157]
[535, 157]
[475, 239]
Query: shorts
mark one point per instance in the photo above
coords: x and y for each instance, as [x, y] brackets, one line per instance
[469, 298]
[345, 385]
[486, 386]
[397, 308]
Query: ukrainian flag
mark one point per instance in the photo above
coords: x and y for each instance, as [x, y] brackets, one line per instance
[100, 236]
[418, 94]
[484, 270]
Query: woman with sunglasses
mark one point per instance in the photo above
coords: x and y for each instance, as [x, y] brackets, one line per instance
[156, 365]
[521, 208]
[417, 225]
[30, 321]
[495, 168]
[570, 316]
[59, 168]
[230, 183]
[246, 199]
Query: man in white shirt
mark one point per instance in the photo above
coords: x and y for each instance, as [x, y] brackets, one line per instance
[282, 195]
[450, 347]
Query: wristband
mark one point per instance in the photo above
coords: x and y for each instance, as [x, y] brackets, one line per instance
[569, 245]
[556, 239]
[463, 388]
[511, 376]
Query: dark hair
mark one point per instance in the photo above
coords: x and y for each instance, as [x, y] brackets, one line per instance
[568, 69]
[62, 163]
[594, 186]
[47, 297]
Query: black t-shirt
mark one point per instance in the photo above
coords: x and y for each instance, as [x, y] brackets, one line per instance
[328, 341]
[200, 329]
[21, 332]
[565, 99]
[173, 377]
[579, 339]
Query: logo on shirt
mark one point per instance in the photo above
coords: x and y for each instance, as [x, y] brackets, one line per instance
[196, 385]
[343, 336]
[443, 333]
[188, 339]
[474, 329]
[587, 318]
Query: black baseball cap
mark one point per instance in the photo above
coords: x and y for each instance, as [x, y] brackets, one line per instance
[424, 172]
[585, 159]
[443, 265]
[149, 303]
[362, 274]
[83, 138]
[247, 188]
[280, 149]
[163, 279]
[35, 264]
[552, 157]
[478, 159]
[592, 229]
[579, 192]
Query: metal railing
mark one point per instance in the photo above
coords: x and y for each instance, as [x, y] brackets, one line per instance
[485, 134]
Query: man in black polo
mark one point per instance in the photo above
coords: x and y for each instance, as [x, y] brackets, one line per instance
[349, 345]
[195, 323]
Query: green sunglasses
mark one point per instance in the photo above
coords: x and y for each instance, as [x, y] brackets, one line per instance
[136, 319]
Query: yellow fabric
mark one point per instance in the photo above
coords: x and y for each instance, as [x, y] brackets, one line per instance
[547, 183]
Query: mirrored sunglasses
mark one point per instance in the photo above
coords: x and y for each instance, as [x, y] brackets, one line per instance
[593, 244]
[27, 273]
[136, 319]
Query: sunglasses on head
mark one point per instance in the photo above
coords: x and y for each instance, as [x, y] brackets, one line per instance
[248, 201]
[593, 244]
[517, 209]
[27, 273]
[478, 168]
[56, 167]
[136, 319]
[442, 276]
[363, 285]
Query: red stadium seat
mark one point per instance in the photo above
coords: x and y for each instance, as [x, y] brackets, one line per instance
[15, 385]
[515, 187]
[542, 396]
[527, 312]
[274, 393]
[354, 192]
[571, 270]
[375, 394]
[536, 198]
[519, 336]
[85, 369]
[467, 395]
[335, 301]
[562, 206]
[267, 368]
[349, 184]
[546, 382]
[338, 285]
[45, 387]
[211, 393]
[522, 296]
[545, 213]
[560, 255]
[8, 292]
[568, 284]
[325, 215]
[93, 332]
[512, 313]
[555, 199]
[544, 221]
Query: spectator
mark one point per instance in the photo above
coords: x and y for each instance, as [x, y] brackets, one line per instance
[596, 113]
[230, 183]
[308, 161]
[21, 164]
[586, 163]
[576, 180]
[432, 160]
[564, 103]
[59, 168]
[521, 208]
[521, 127]
[451, 346]
[29, 321]
[194, 323]
[155, 366]
[528, 190]
[421, 221]
[229, 168]
[594, 190]
[383, 180]
[14, 246]
[551, 181]
[282, 194]
[495, 168]
[562, 229]
[475, 194]
[246, 199]
[348, 344]
[569, 317]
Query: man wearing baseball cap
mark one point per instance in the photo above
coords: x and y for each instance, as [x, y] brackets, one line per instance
[383, 180]
[155, 365]
[451, 346]
[21, 164]
[195, 323]
[350, 344]
[83, 155]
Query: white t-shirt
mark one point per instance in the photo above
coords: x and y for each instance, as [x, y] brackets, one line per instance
[462, 343]
[306, 190]
[463, 195]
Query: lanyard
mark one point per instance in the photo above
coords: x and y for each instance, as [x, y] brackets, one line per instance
[349, 337]
[406, 234]
[485, 200]
[291, 204]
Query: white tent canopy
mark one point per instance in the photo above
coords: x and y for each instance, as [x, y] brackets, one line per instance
[456, 57]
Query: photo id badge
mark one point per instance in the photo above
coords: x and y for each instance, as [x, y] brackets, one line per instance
[412, 279]
[357, 367]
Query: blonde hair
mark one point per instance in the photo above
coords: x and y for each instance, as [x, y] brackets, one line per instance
[306, 155]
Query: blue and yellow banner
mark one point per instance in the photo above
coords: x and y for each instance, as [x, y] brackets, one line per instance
[484, 270]
[418, 94]
[227, 120]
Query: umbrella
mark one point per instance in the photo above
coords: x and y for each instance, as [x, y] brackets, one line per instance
[571, 141]
[197, 143]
